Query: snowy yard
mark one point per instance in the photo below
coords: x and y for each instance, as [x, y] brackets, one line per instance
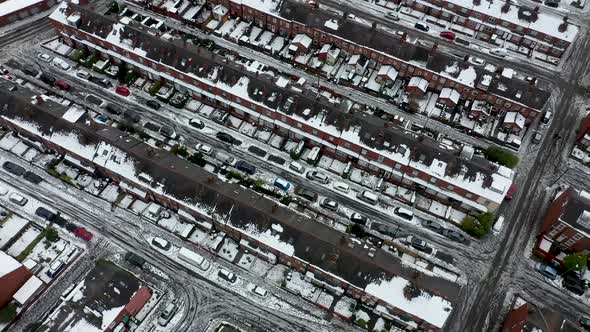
[23, 241]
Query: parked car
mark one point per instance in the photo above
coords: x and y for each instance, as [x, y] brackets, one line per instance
[499, 52]
[393, 16]
[453, 235]
[227, 275]
[422, 26]
[329, 204]
[62, 85]
[310, 195]
[134, 259]
[47, 79]
[448, 35]
[573, 283]
[13, 168]
[168, 132]
[204, 149]
[153, 104]
[83, 74]
[18, 199]
[341, 186]
[476, 61]
[368, 197]
[282, 184]
[257, 290]
[404, 213]
[297, 167]
[547, 117]
[546, 270]
[225, 158]
[100, 81]
[196, 123]
[44, 57]
[511, 191]
[30, 71]
[435, 226]
[61, 64]
[227, 138]
[358, 218]
[318, 176]
[45, 214]
[537, 136]
[168, 313]
[498, 225]
[123, 91]
[83, 233]
[418, 243]
[32, 177]
[245, 167]
[131, 116]
[113, 109]
[158, 242]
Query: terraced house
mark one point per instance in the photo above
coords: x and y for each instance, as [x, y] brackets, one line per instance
[340, 264]
[290, 18]
[342, 131]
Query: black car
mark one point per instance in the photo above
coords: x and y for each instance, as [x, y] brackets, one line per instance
[358, 218]
[418, 243]
[47, 79]
[573, 283]
[60, 221]
[153, 104]
[421, 26]
[113, 109]
[30, 71]
[131, 116]
[151, 126]
[134, 259]
[45, 214]
[32, 177]
[13, 168]
[225, 137]
[257, 151]
[246, 167]
[310, 195]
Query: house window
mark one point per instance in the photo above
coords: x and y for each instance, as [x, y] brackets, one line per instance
[380, 159]
[398, 166]
[299, 125]
[331, 139]
[450, 187]
[415, 173]
[364, 152]
[315, 132]
[346, 145]
[469, 195]
[432, 180]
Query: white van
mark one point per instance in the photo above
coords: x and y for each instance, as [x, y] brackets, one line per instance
[341, 186]
[404, 213]
[499, 52]
[313, 155]
[18, 199]
[498, 225]
[297, 167]
[368, 197]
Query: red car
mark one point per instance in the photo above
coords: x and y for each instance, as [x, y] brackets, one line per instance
[123, 91]
[62, 85]
[82, 233]
[448, 35]
[511, 192]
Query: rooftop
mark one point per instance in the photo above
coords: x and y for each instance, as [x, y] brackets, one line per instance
[518, 90]
[7, 264]
[316, 111]
[577, 211]
[198, 190]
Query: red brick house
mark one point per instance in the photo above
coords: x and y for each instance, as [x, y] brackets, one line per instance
[526, 316]
[12, 11]
[566, 226]
[417, 86]
[449, 97]
[13, 275]
[583, 137]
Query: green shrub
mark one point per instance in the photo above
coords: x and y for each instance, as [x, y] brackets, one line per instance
[575, 262]
[25, 253]
[51, 234]
[361, 322]
[8, 313]
[155, 88]
[501, 156]
[197, 159]
[51, 170]
[478, 227]
[179, 150]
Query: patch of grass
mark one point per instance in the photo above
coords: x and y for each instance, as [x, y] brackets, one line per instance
[25, 253]
[501, 156]
[53, 172]
[478, 227]
[52, 234]
[8, 313]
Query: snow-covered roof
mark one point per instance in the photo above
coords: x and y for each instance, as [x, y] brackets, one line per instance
[10, 6]
[302, 39]
[419, 82]
[452, 94]
[27, 290]
[545, 23]
[331, 24]
[74, 114]
[433, 309]
[388, 71]
[220, 10]
[7, 264]
[266, 6]
[516, 118]
[508, 73]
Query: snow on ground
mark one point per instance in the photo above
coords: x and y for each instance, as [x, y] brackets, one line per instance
[345, 306]
[433, 309]
[379, 325]
[276, 274]
[110, 193]
[229, 250]
[361, 314]
[42, 253]
[23, 241]
[247, 261]
[8, 141]
[10, 228]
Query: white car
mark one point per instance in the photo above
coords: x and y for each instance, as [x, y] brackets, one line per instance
[499, 52]
[476, 61]
[341, 186]
[83, 74]
[204, 149]
[393, 16]
[256, 290]
[45, 57]
[59, 63]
